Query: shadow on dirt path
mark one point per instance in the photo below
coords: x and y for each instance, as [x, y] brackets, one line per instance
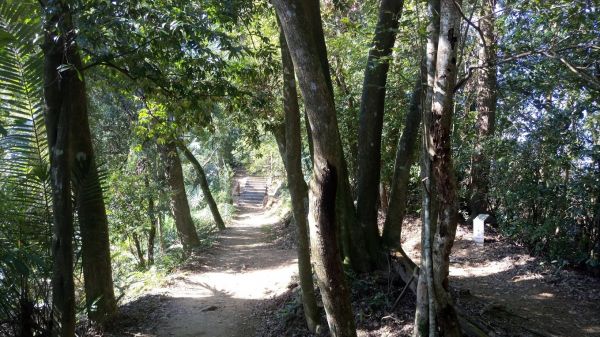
[216, 293]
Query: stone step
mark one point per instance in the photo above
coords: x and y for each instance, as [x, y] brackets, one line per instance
[252, 198]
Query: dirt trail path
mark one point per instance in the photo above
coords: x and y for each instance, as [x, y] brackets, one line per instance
[218, 291]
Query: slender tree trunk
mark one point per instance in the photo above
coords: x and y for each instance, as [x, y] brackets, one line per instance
[315, 85]
[212, 204]
[423, 312]
[371, 123]
[179, 202]
[58, 88]
[292, 151]
[441, 314]
[138, 250]
[352, 142]
[152, 240]
[160, 229]
[153, 223]
[486, 110]
[159, 174]
[392, 228]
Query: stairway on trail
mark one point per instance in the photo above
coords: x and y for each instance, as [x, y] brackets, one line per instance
[252, 191]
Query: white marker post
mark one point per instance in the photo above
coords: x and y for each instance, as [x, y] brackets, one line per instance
[478, 228]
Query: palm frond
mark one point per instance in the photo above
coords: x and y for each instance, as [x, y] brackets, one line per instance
[25, 210]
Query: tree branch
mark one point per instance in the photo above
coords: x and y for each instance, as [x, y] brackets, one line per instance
[460, 11]
[548, 52]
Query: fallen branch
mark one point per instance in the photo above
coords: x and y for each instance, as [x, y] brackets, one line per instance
[402, 293]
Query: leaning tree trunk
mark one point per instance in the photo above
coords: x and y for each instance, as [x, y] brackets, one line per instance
[212, 204]
[352, 237]
[59, 87]
[179, 201]
[392, 228]
[371, 123]
[438, 239]
[292, 155]
[486, 110]
[328, 161]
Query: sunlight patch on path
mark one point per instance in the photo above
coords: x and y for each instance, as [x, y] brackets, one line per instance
[241, 271]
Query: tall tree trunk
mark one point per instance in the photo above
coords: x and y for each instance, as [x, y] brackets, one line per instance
[486, 110]
[425, 282]
[371, 123]
[93, 222]
[392, 228]
[442, 317]
[212, 204]
[153, 223]
[353, 238]
[292, 141]
[328, 161]
[179, 202]
[59, 87]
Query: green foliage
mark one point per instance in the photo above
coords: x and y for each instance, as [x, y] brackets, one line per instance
[544, 153]
[25, 210]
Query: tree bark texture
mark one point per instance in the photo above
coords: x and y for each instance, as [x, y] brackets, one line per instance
[371, 123]
[93, 222]
[439, 172]
[278, 131]
[292, 141]
[212, 204]
[327, 163]
[392, 228]
[330, 274]
[422, 312]
[179, 202]
[316, 87]
[97, 270]
[486, 110]
[58, 87]
[440, 158]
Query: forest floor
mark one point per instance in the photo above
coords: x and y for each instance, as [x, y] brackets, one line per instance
[498, 285]
[245, 286]
[218, 290]
[512, 293]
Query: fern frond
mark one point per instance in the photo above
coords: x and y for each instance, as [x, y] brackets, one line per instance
[25, 210]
